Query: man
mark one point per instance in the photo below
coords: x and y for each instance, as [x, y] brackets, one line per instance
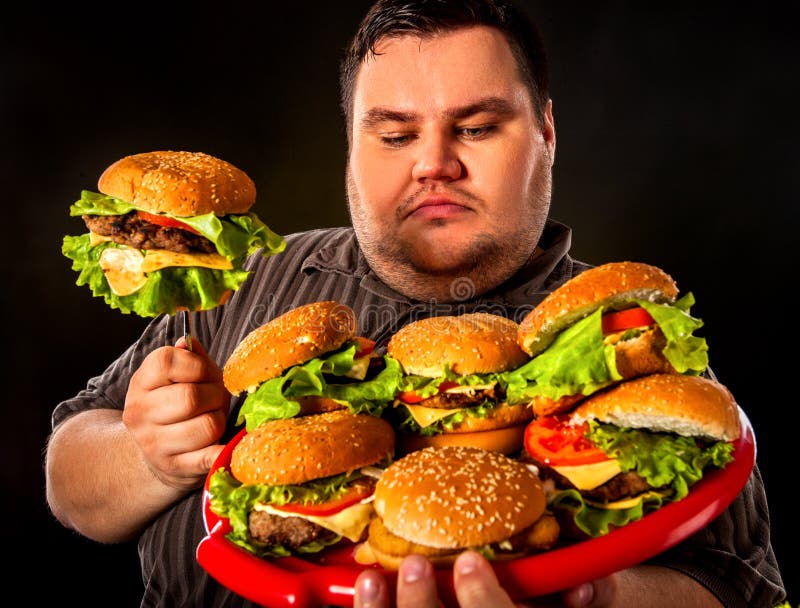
[451, 143]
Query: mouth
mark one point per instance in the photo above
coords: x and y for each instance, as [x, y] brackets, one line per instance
[436, 206]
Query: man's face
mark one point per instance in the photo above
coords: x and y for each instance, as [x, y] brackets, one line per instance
[449, 171]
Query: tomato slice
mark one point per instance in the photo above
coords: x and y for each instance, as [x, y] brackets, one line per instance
[409, 397]
[163, 220]
[364, 346]
[626, 319]
[554, 441]
[355, 494]
[412, 398]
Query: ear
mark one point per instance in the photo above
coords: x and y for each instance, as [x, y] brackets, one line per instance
[549, 130]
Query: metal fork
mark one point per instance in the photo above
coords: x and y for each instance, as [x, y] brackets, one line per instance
[187, 329]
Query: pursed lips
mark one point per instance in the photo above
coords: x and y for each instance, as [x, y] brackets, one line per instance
[436, 207]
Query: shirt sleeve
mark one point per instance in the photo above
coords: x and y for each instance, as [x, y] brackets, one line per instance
[733, 555]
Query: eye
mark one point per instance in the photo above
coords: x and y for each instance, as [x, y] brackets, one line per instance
[478, 132]
[395, 140]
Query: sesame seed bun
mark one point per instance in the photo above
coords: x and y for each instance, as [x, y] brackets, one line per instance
[292, 338]
[457, 497]
[474, 343]
[298, 450]
[692, 406]
[613, 285]
[184, 184]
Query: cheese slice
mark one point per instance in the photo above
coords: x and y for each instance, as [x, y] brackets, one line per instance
[589, 476]
[426, 416]
[95, 239]
[349, 522]
[625, 503]
[156, 259]
[126, 267]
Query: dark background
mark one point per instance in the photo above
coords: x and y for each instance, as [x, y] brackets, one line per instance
[677, 145]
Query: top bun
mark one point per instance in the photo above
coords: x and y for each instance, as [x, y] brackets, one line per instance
[692, 406]
[456, 497]
[613, 285]
[475, 343]
[292, 338]
[296, 450]
[184, 184]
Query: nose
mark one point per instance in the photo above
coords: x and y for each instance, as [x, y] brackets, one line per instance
[437, 158]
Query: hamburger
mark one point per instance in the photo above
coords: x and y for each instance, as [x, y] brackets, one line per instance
[298, 485]
[309, 360]
[630, 449]
[452, 391]
[439, 502]
[168, 231]
[612, 322]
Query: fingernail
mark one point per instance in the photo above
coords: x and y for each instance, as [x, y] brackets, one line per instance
[412, 567]
[467, 563]
[368, 589]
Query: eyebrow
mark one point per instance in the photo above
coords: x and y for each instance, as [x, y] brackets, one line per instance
[491, 105]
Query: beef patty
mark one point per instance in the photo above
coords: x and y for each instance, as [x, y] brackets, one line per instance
[131, 230]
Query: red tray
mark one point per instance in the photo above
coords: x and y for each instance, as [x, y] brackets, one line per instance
[329, 577]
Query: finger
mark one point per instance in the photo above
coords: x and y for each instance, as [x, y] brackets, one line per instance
[371, 591]
[476, 583]
[597, 594]
[189, 469]
[167, 365]
[185, 435]
[178, 402]
[416, 586]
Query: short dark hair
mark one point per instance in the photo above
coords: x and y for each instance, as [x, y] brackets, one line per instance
[425, 18]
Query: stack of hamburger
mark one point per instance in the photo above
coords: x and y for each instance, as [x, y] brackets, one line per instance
[168, 231]
[589, 413]
[624, 419]
[299, 479]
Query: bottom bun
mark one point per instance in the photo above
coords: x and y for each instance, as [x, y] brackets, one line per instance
[387, 550]
[392, 562]
[506, 441]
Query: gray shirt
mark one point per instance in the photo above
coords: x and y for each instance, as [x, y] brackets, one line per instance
[733, 556]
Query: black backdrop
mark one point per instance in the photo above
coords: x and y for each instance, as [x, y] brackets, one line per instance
[676, 133]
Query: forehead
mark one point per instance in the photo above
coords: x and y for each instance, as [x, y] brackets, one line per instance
[439, 71]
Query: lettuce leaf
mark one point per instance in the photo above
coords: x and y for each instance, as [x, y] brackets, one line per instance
[234, 500]
[425, 386]
[275, 398]
[405, 421]
[663, 459]
[688, 354]
[170, 289]
[578, 362]
[670, 463]
[166, 291]
[235, 236]
[595, 521]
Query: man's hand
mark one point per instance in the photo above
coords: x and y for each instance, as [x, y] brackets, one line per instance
[176, 410]
[476, 586]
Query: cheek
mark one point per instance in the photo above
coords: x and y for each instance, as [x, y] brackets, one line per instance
[378, 182]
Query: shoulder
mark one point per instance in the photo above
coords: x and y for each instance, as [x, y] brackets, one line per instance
[309, 247]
